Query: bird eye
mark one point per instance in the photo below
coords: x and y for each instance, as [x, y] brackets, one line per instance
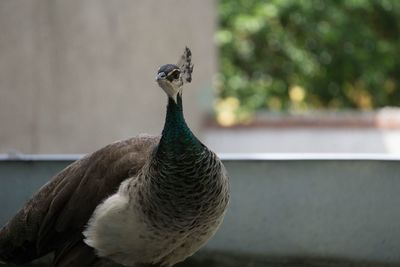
[175, 74]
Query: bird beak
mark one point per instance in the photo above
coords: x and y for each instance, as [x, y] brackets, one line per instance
[160, 76]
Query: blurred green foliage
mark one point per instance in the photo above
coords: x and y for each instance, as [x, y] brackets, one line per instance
[300, 54]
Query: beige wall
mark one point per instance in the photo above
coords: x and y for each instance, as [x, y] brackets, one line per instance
[78, 74]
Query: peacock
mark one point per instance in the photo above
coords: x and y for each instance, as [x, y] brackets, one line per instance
[147, 200]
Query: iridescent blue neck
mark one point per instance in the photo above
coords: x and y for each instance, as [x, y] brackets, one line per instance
[176, 135]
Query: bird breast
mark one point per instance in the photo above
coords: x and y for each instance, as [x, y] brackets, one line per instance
[150, 220]
[185, 197]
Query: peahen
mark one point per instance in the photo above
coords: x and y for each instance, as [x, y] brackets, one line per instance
[144, 200]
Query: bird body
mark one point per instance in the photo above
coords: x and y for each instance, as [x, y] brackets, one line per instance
[151, 200]
[176, 201]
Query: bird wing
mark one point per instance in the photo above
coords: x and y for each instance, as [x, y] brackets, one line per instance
[63, 206]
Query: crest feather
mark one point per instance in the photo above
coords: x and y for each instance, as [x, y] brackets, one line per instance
[185, 65]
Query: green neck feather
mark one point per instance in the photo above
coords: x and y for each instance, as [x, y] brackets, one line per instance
[176, 135]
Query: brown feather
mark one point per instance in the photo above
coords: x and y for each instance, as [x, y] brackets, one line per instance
[60, 210]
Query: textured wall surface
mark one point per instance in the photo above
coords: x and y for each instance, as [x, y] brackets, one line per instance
[337, 209]
[76, 75]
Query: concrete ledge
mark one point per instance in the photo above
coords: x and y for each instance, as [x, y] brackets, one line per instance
[384, 118]
[293, 208]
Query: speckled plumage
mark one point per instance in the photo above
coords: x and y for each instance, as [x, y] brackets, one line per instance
[177, 201]
[144, 200]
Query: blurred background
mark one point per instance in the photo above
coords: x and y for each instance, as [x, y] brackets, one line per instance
[274, 76]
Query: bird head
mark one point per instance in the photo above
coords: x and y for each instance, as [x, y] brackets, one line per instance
[171, 78]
